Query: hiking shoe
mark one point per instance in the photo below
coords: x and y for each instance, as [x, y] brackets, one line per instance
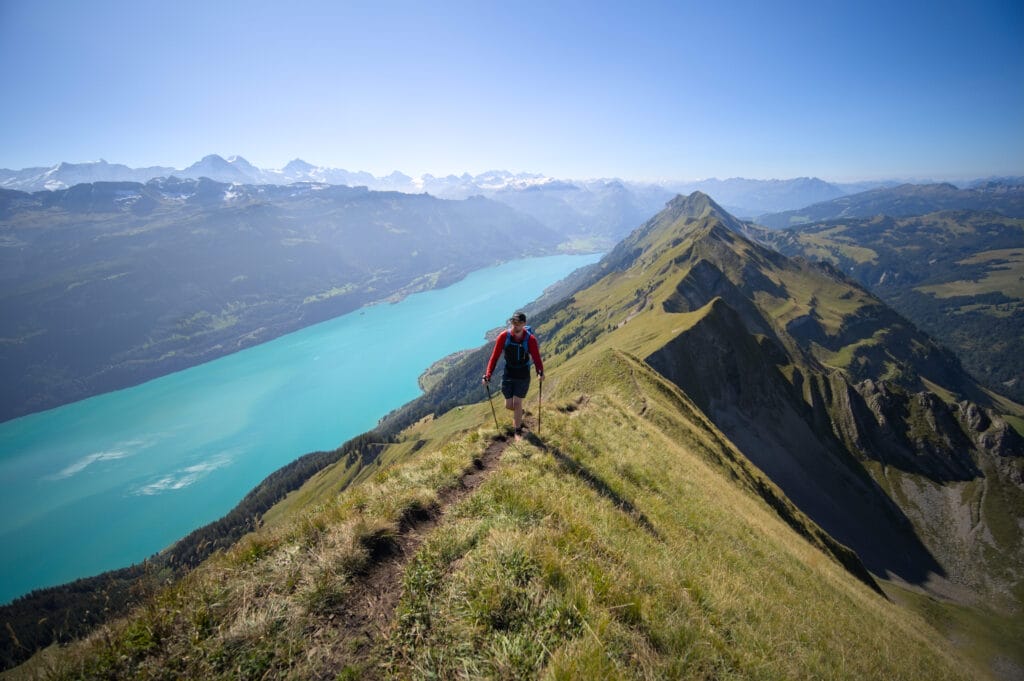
[519, 433]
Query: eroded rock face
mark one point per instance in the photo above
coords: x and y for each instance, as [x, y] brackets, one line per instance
[990, 432]
[973, 416]
[953, 469]
[885, 405]
[920, 433]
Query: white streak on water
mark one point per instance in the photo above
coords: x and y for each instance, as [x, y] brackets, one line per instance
[183, 477]
[85, 462]
[120, 450]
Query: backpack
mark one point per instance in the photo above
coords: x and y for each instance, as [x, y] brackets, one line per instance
[517, 353]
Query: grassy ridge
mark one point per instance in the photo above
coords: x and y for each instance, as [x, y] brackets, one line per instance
[631, 543]
[619, 551]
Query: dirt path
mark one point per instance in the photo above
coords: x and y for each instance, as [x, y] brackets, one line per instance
[364, 619]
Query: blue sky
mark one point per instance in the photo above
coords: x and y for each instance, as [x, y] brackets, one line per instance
[638, 90]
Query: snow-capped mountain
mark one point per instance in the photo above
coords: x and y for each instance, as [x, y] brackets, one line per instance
[64, 175]
[238, 170]
[743, 197]
[217, 168]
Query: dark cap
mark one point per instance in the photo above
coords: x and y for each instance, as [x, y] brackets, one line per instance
[518, 317]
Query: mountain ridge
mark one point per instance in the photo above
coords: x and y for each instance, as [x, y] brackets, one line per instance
[1005, 197]
[957, 274]
[688, 349]
[574, 557]
[668, 265]
[152, 278]
[742, 196]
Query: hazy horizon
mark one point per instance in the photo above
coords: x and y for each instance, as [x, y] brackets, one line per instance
[954, 179]
[653, 91]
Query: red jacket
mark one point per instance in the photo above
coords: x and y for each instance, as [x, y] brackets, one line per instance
[499, 346]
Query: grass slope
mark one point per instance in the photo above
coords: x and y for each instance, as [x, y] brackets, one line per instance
[959, 275]
[632, 541]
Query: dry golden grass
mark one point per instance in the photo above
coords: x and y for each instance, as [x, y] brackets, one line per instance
[629, 544]
[618, 549]
[634, 541]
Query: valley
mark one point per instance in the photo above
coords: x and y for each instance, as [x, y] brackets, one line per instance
[776, 381]
[254, 262]
[959, 275]
[107, 285]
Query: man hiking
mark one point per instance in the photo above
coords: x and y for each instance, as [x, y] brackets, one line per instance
[519, 345]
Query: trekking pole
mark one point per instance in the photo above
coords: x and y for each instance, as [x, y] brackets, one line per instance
[487, 386]
[540, 403]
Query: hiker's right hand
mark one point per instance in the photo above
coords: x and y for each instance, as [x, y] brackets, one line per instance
[487, 379]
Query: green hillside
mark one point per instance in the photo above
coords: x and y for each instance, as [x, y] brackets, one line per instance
[959, 275]
[631, 540]
[737, 454]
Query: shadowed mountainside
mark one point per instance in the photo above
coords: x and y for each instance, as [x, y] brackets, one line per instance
[720, 420]
[106, 285]
[859, 417]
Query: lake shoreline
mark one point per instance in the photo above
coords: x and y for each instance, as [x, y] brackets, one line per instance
[84, 603]
[79, 465]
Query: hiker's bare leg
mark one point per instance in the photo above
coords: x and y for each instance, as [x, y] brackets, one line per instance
[510, 403]
[517, 417]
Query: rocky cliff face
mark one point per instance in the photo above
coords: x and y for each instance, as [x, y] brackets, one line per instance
[954, 470]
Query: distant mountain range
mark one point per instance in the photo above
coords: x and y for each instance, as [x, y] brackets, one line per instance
[552, 198]
[1004, 196]
[732, 439]
[238, 170]
[294, 214]
[107, 284]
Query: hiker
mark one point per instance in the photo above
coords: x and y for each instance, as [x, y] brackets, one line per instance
[519, 345]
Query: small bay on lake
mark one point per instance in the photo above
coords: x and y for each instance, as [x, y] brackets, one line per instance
[111, 480]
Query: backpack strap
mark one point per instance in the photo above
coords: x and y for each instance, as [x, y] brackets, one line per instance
[525, 342]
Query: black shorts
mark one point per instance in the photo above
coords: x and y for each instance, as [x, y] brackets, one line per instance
[515, 387]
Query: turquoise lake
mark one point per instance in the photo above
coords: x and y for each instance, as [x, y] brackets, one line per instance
[109, 481]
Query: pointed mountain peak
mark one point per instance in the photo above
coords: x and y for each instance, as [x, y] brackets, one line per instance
[699, 206]
[696, 206]
[299, 166]
[209, 161]
[242, 163]
[218, 168]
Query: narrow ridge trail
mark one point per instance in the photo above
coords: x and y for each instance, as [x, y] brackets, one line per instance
[365, 616]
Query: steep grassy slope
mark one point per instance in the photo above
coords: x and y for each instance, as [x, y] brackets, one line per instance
[718, 417]
[870, 427]
[959, 275]
[822, 385]
[632, 541]
[866, 424]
